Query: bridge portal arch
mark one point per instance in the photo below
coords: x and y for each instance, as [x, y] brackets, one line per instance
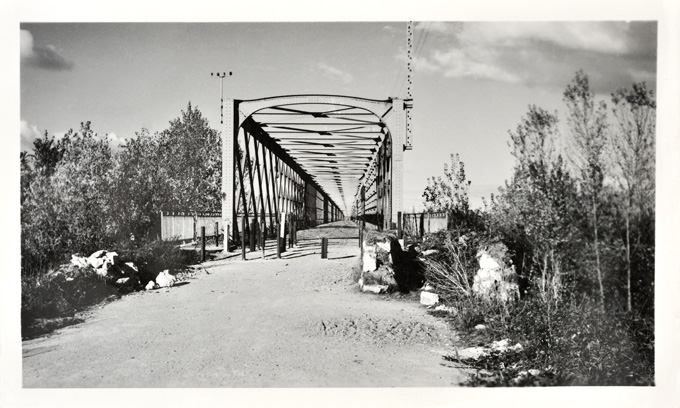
[304, 154]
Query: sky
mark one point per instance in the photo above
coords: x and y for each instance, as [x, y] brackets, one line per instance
[473, 81]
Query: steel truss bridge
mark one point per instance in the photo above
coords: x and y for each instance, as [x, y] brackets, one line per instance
[319, 158]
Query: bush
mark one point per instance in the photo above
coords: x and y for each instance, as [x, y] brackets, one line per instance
[570, 343]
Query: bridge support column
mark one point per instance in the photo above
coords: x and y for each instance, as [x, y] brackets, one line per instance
[229, 140]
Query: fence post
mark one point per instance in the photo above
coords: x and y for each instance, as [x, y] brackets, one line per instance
[324, 248]
[217, 235]
[203, 244]
[422, 225]
[243, 238]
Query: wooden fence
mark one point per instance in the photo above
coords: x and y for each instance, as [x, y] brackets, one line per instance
[419, 224]
[180, 225]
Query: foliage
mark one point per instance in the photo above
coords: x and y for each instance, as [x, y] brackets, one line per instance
[78, 196]
[573, 344]
[67, 208]
[450, 192]
[578, 220]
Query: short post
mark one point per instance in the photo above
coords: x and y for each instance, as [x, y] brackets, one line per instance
[262, 240]
[203, 244]
[400, 233]
[217, 235]
[422, 224]
[282, 233]
[243, 238]
[226, 238]
[253, 235]
[324, 248]
[278, 240]
[293, 236]
[290, 231]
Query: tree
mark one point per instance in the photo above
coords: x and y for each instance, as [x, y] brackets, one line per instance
[68, 208]
[190, 153]
[451, 192]
[633, 145]
[588, 124]
[537, 205]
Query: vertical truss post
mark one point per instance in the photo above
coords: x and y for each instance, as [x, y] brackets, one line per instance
[259, 180]
[228, 143]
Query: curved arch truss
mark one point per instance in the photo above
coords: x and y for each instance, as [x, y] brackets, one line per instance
[318, 157]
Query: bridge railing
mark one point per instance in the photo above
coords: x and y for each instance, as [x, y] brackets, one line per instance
[418, 224]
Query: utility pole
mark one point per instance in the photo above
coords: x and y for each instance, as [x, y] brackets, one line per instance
[221, 76]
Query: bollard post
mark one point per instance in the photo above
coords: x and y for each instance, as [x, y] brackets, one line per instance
[226, 238]
[293, 236]
[217, 235]
[290, 231]
[324, 248]
[400, 233]
[263, 238]
[253, 226]
[278, 240]
[243, 238]
[203, 244]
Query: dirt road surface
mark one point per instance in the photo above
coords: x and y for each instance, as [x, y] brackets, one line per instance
[292, 322]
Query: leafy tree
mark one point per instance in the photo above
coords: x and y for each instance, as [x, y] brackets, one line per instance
[588, 124]
[537, 204]
[451, 192]
[633, 146]
[190, 154]
[67, 209]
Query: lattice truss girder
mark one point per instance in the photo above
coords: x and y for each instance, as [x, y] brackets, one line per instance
[312, 155]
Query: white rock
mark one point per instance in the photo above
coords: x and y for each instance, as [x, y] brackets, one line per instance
[480, 327]
[369, 260]
[487, 262]
[385, 246]
[500, 344]
[374, 288]
[150, 285]
[472, 352]
[428, 298]
[534, 372]
[165, 280]
[79, 261]
[111, 256]
[430, 252]
[122, 281]
[132, 265]
[444, 308]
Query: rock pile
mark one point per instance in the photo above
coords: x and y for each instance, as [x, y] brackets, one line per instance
[107, 265]
[496, 278]
[386, 267]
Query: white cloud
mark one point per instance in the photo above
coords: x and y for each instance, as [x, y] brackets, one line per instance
[115, 140]
[589, 36]
[28, 134]
[334, 73]
[541, 53]
[42, 57]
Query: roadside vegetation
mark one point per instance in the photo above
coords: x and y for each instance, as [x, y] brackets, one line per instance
[80, 195]
[577, 217]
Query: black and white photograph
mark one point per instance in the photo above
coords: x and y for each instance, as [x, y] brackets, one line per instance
[343, 210]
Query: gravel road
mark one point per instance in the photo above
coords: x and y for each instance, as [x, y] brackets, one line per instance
[293, 322]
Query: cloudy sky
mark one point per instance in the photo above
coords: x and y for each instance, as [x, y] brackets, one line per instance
[472, 82]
